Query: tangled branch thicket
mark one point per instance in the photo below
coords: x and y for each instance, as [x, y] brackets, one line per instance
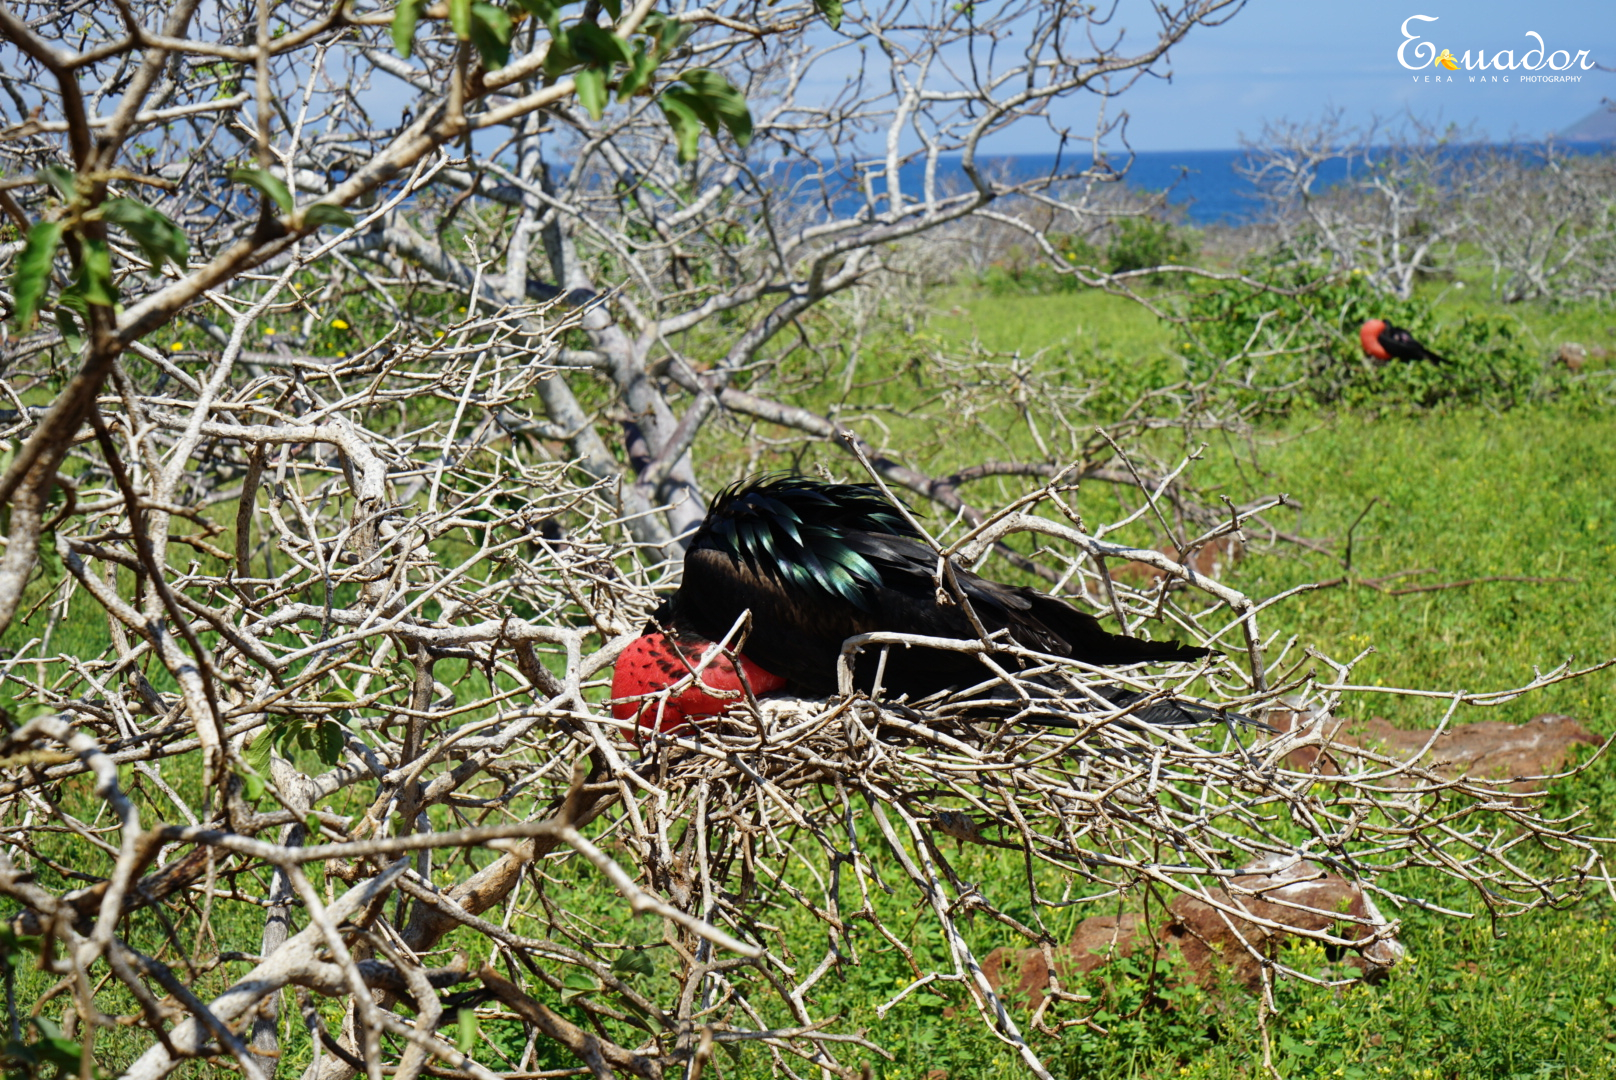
[1402, 202]
[382, 730]
[311, 762]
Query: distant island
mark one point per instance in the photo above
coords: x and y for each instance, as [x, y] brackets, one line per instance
[1597, 126]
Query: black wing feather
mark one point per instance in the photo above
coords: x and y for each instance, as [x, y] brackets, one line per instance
[1404, 346]
[817, 563]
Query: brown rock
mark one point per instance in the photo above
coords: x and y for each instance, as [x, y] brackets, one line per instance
[1571, 356]
[1487, 750]
[1303, 722]
[1491, 749]
[1295, 894]
[1211, 560]
[1097, 938]
[1213, 938]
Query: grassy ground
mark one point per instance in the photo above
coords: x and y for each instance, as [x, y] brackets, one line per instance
[1463, 494]
[1029, 322]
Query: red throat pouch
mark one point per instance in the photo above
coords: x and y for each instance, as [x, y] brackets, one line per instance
[655, 662]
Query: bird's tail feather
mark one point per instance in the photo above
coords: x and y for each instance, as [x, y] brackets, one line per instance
[1071, 711]
[1174, 711]
[1095, 645]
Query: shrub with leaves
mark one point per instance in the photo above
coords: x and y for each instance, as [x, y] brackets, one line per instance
[1289, 338]
[1142, 243]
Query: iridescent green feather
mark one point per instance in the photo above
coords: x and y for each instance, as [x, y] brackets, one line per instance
[794, 527]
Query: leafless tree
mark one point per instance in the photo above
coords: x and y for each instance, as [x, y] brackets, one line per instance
[1389, 201]
[1544, 222]
[1397, 202]
[682, 234]
[373, 708]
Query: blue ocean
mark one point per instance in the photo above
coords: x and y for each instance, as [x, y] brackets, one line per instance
[1203, 184]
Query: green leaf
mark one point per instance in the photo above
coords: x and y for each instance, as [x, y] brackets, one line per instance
[63, 1053]
[328, 214]
[94, 279]
[266, 182]
[61, 179]
[284, 734]
[158, 237]
[341, 694]
[405, 16]
[560, 56]
[634, 962]
[594, 45]
[32, 274]
[723, 100]
[614, 8]
[466, 1030]
[460, 18]
[252, 786]
[577, 984]
[329, 741]
[708, 119]
[69, 327]
[832, 10]
[558, 59]
[549, 12]
[52, 1048]
[592, 91]
[257, 755]
[684, 120]
[73, 300]
[490, 29]
[640, 70]
[668, 33]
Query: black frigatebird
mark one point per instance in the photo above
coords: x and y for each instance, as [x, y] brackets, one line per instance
[1382, 341]
[816, 563]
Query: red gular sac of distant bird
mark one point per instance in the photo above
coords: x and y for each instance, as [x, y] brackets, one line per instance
[657, 662]
[1382, 342]
[814, 564]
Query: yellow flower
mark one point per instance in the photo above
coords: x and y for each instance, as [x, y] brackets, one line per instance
[341, 354]
[462, 309]
[178, 346]
[339, 324]
[269, 330]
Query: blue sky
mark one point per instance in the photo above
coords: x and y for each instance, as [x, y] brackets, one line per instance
[1295, 58]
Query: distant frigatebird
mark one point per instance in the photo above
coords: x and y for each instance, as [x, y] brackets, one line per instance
[1382, 341]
